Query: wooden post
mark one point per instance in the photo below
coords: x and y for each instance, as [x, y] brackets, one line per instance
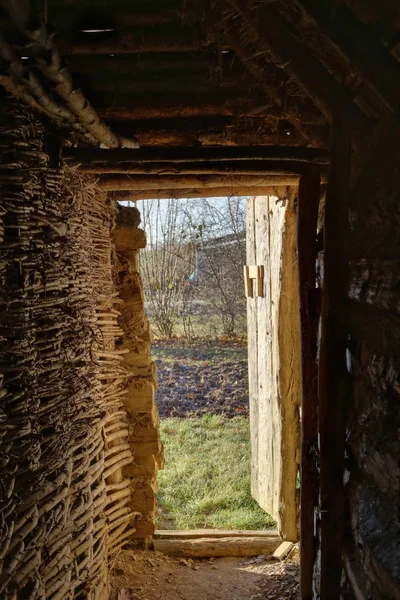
[307, 218]
[333, 379]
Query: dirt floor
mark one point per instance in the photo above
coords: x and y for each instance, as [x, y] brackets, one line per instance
[153, 576]
[201, 377]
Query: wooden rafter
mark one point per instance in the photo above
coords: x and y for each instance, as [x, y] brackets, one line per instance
[27, 87]
[363, 49]
[270, 29]
[232, 38]
[50, 63]
[131, 44]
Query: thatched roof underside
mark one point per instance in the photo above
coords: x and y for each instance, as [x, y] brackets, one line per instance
[201, 74]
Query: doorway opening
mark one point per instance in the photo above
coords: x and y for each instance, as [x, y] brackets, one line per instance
[205, 314]
[192, 270]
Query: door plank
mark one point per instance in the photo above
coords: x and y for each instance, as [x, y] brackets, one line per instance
[275, 423]
[252, 348]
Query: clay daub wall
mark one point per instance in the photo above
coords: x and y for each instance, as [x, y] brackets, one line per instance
[65, 501]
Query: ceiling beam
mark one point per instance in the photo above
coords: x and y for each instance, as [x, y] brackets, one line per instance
[182, 109]
[184, 155]
[249, 167]
[230, 136]
[223, 192]
[130, 43]
[167, 182]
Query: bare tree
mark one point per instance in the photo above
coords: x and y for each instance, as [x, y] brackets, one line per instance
[220, 255]
[166, 264]
[193, 264]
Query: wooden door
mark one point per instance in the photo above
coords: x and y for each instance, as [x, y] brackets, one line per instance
[274, 360]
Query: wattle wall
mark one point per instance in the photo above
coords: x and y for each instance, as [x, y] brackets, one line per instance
[74, 464]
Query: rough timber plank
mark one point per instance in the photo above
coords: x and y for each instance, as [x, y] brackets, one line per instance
[283, 550]
[274, 388]
[252, 349]
[206, 547]
[191, 534]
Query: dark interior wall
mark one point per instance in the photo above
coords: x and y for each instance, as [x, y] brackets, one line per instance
[373, 419]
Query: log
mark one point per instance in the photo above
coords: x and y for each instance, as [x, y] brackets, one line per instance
[256, 107]
[164, 84]
[271, 29]
[150, 65]
[218, 547]
[307, 219]
[273, 167]
[192, 534]
[181, 107]
[231, 136]
[31, 91]
[131, 43]
[167, 182]
[333, 378]
[184, 155]
[223, 192]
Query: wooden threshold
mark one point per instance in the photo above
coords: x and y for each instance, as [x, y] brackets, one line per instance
[206, 543]
[191, 534]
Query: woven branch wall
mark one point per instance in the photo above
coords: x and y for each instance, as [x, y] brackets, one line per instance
[63, 500]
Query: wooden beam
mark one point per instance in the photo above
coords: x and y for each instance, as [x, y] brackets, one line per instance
[167, 182]
[158, 104]
[229, 136]
[249, 167]
[184, 155]
[256, 108]
[192, 534]
[363, 49]
[333, 378]
[49, 62]
[152, 64]
[133, 43]
[207, 547]
[307, 219]
[30, 89]
[165, 84]
[222, 192]
[270, 28]
[182, 108]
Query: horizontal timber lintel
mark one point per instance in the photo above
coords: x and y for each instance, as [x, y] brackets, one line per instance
[183, 155]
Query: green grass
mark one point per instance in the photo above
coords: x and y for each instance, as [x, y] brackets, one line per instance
[206, 479]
